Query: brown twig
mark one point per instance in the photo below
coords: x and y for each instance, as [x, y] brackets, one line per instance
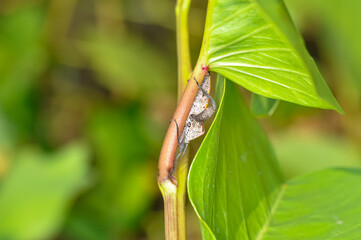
[169, 148]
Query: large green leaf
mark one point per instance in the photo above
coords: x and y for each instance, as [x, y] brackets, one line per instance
[321, 205]
[238, 192]
[38, 190]
[225, 186]
[255, 44]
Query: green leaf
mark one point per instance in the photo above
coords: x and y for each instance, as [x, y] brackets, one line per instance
[321, 205]
[255, 44]
[263, 106]
[238, 192]
[224, 185]
[38, 191]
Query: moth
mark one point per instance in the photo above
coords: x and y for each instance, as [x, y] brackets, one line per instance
[199, 113]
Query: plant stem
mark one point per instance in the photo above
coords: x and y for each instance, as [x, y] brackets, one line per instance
[184, 71]
[174, 204]
[169, 192]
[174, 194]
[170, 143]
[182, 173]
[173, 189]
[183, 53]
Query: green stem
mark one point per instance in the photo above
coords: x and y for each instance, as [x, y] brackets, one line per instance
[183, 53]
[174, 195]
[174, 204]
[184, 71]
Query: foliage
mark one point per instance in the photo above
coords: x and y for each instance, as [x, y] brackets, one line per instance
[235, 178]
[234, 183]
[37, 192]
[87, 89]
[237, 190]
[255, 44]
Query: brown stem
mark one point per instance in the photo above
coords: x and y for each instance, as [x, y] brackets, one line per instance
[169, 148]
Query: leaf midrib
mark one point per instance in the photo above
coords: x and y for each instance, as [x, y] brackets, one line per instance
[273, 210]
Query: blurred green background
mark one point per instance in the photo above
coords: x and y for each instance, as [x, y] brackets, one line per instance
[86, 92]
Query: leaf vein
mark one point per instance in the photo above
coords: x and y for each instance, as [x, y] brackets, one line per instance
[243, 37]
[269, 80]
[239, 11]
[273, 210]
[248, 51]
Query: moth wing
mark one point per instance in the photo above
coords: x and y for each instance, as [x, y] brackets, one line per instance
[192, 128]
[201, 101]
[195, 130]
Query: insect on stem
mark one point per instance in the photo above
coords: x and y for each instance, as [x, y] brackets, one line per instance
[167, 158]
[194, 124]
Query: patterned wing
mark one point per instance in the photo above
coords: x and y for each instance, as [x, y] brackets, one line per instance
[192, 128]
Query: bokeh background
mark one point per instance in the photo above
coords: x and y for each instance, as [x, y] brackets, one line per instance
[87, 88]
